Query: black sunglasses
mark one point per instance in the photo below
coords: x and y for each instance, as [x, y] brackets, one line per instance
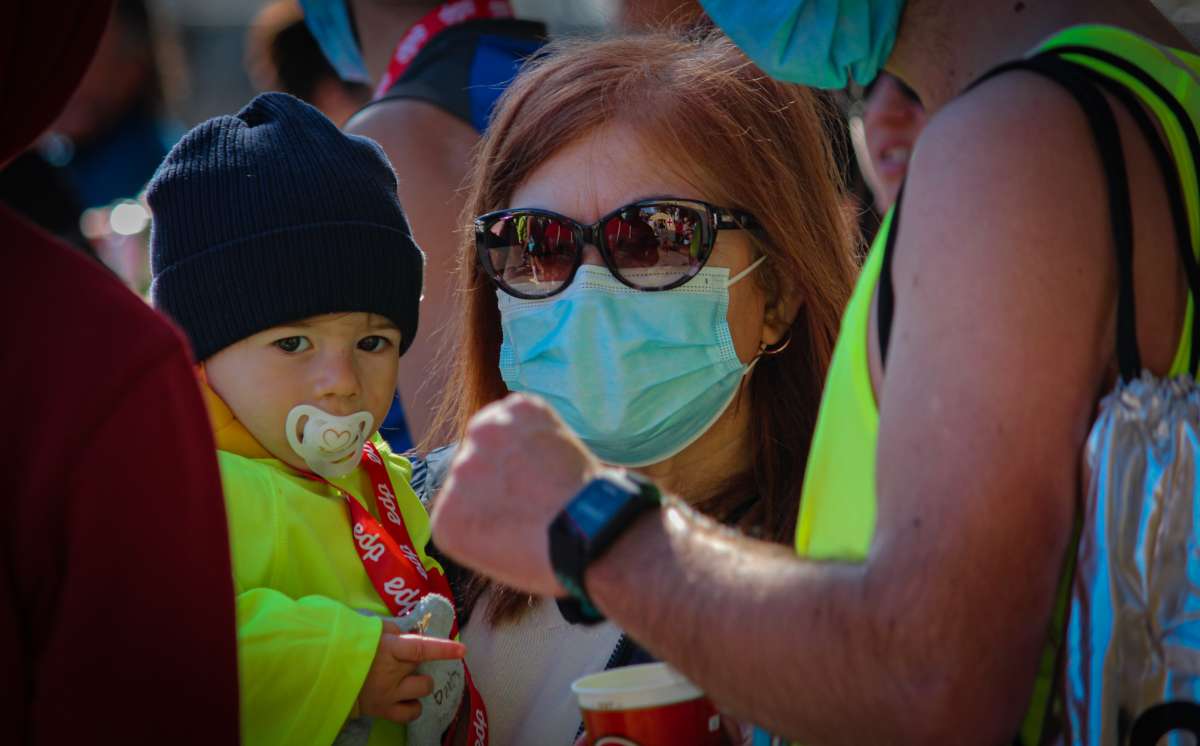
[655, 244]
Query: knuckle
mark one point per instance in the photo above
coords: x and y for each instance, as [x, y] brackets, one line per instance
[485, 432]
[526, 406]
[422, 685]
[406, 712]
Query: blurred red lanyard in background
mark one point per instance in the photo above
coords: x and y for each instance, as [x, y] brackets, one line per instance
[435, 22]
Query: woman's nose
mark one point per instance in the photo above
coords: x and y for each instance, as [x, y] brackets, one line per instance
[591, 255]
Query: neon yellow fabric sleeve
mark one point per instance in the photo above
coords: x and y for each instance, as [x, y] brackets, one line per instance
[301, 665]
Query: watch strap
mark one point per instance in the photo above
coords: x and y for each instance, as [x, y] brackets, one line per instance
[572, 550]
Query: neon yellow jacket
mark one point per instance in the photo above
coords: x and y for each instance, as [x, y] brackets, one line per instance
[303, 647]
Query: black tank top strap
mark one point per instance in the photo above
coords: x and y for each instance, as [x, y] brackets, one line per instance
[887, 295]
[1172, 177]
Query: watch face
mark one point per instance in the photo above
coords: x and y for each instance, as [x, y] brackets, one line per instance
[603, 500]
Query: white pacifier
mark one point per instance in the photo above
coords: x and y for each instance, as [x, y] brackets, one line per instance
[330, 445]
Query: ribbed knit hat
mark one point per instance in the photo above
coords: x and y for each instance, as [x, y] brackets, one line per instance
[272, 216]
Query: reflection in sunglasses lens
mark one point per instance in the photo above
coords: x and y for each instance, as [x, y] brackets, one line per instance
[532, 254]
[656, 245]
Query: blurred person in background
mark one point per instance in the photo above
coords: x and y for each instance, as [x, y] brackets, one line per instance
[114, 132]
[116, 594]
[105, 145]
[282, 55]
[31, 186]
[437, 70]
[638, 15]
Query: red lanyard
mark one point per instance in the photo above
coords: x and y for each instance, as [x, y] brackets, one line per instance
[435, 22]
[396, 571]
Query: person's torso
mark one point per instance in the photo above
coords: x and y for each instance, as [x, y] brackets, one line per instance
[524, 671]
[293, 534]
[464, 69]
[838, 504]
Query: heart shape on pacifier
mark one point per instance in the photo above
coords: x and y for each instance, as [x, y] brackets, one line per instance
[336, 440]
[331, 445]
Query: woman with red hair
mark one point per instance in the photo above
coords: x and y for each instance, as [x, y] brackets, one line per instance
[681, 321]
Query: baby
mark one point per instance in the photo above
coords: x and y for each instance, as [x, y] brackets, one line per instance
[280, 248]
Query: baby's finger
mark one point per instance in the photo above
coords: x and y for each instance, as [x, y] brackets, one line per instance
[413, 686]
[418, 648]
[402, 712]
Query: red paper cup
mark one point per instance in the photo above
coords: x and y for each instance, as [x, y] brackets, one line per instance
[646, 705]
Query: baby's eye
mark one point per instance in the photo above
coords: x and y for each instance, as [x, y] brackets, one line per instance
[373, 343]
[293, 344]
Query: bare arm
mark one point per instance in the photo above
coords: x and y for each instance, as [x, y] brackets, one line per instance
[998, 353]
[1000, 346]
[430, 151]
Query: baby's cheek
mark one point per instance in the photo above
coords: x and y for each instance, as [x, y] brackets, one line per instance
[381, 390]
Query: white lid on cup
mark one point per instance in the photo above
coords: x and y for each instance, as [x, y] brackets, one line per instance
[634, 688]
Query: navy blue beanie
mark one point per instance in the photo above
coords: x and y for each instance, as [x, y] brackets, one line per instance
[272, 216]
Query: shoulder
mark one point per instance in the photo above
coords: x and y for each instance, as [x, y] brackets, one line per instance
[425, 144]
[400, 467]
[415, 134]
[1017, 134]
[257, 536]
[250, 487]
[78, 291]
[1009, 163]
[87, 342]
[1003, 271]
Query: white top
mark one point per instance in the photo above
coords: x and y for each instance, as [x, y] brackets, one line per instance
[524, 671]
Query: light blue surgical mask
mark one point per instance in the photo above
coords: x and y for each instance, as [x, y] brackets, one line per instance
[329, 22]
[639, 376]
[814, 42]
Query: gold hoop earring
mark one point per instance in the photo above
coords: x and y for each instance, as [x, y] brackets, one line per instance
[778, 347]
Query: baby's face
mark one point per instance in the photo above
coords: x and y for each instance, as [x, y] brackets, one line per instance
[342, 363]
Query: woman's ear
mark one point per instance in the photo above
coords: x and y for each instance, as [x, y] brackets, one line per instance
[780, 316]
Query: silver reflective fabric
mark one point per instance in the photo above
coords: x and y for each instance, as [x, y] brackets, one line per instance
[1133, 640]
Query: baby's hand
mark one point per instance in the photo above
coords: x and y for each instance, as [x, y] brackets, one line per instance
[391, 689]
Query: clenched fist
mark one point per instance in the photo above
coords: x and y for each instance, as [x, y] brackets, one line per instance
[516, 468]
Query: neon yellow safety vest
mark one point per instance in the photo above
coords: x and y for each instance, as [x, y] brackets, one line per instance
[838, 507]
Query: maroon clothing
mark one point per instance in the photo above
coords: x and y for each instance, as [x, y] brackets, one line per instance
[116, 598]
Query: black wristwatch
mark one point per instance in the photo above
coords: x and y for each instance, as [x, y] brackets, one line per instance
[587, 526]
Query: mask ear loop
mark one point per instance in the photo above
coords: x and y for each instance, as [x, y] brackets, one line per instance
[738, 277]
[765, 350]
